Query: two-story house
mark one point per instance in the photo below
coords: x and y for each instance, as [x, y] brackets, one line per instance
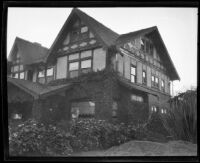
[91, 70]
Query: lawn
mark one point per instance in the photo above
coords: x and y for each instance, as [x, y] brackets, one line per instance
[146, 148]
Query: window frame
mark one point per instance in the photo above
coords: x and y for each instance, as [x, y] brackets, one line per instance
[79, 60]
[133, 75]
[144, 79]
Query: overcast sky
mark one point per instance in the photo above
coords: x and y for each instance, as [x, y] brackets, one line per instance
[177, 26]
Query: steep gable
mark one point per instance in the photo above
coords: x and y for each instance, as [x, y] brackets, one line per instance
[132, 41]
[103, 34]
[28, 52]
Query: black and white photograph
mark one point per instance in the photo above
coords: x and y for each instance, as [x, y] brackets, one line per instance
[101, 81]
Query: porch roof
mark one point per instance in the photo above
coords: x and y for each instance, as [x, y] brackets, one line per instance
[38, 90]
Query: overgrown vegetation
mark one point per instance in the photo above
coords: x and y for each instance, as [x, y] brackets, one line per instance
[33, 138]
[181, 120]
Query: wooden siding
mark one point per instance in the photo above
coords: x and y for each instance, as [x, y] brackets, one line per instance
[120, 65]
[139, 72]
[148, 76]
[127, 67]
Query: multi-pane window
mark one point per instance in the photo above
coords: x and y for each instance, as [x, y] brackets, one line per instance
[79, 33]
[73, 69]
[17, 71]
[154, 81]
[133, 74]
[144, 77]
[86, 65]
[154, 109]
[80, 63]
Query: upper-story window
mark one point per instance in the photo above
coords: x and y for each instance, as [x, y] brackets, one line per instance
[147, 46]
[163, 85]
[80, 63]
[144, 77]
[79, 33]
[50, 71]
[18, 71]
[154, 81]
[133, 74]
[41, 74]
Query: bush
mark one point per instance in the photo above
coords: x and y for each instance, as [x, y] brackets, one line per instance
[33, 138]
[97, 134]
[181, 120]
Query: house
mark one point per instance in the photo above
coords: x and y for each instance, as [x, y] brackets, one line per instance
[91, 71]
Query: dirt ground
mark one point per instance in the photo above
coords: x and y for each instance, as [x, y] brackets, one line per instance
[147, 148]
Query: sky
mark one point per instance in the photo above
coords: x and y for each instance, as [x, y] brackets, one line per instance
[177, 26]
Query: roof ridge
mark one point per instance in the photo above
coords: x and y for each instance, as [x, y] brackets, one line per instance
[139, 30]
[32, 43]
[82, 12]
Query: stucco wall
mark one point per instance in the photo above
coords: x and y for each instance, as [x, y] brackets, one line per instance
[61, 69]
[99, 59]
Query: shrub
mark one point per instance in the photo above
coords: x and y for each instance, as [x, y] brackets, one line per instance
[94, 134]
[33, 138]
[181, 120]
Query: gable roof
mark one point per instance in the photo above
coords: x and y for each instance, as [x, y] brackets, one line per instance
[30, 52]
[103, 33]
[37, 90]
[158, 39]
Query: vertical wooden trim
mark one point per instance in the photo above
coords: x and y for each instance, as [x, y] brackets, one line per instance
[45, 73]
[92, 59]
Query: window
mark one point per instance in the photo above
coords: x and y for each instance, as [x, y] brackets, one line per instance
[17, 116]
[74, 56]
[162, 85]
[21, 76]
[154, 109]
[16, 75]
[133, 74]
[85, 54]
[156, 82]
[86, 63]
[73, 66]
[73, 69]
[136, 98]
[144, 77]
[50, 71]
[84, 29]
[75, 35]
[16, 68]
[114, 109]
[21, 67]
[41, 74]
[82, 109]
[152, 80]
[163, 111]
